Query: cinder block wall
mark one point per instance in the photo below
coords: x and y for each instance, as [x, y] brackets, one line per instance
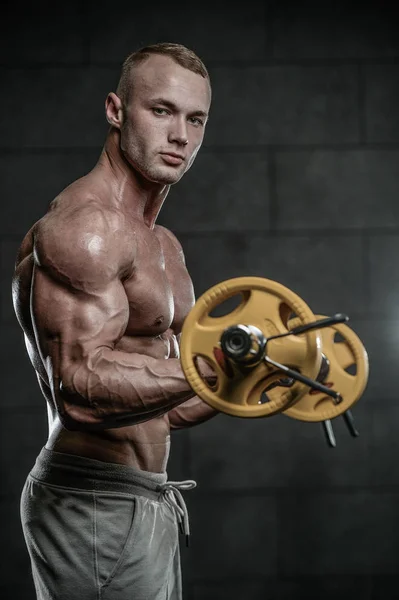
[297, 181]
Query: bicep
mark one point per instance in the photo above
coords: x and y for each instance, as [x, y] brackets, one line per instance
[70, 324]
[78, 303]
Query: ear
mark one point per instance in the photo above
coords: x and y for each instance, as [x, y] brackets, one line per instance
[113, 110]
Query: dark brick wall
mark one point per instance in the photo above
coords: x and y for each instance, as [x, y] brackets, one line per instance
[298, 181]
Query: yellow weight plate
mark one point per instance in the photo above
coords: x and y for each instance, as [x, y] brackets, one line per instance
[344, 355]
[267, 305]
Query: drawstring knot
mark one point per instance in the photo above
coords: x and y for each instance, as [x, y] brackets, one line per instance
[174, 499]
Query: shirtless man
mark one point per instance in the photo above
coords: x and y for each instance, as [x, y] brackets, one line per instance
[101, 293]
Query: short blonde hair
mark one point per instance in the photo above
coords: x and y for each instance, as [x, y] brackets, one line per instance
[180, 54]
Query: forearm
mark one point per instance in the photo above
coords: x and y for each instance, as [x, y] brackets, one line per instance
[192, 412]
[115, 389]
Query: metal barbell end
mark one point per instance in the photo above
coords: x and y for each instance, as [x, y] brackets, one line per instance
[350, 423]
[329, 433]
[244, 344]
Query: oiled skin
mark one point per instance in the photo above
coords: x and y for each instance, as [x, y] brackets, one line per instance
[101, 293]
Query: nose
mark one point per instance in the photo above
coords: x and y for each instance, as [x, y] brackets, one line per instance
[178, 133]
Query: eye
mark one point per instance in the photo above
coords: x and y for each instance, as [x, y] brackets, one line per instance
[197, 121]
[160, 111]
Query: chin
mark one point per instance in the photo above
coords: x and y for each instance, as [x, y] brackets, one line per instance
[165, 176]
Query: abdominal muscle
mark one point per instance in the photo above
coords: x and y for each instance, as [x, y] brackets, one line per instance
[144, 446]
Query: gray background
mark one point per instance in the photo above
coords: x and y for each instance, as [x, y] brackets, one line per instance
[297, 181]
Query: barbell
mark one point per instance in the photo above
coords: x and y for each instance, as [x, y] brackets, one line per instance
[271, 354]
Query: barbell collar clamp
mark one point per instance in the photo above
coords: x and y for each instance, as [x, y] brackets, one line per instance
[310, 382]
[320, 324]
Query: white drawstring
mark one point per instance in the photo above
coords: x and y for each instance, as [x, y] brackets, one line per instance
[174, 499]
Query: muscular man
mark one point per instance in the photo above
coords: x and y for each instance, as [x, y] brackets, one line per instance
[101, 293]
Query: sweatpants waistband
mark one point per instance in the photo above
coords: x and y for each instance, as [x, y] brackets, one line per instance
[79, 472]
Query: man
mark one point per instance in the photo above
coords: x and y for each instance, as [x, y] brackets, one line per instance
[101, 293]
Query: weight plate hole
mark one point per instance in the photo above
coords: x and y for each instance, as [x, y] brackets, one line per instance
[338, 337]
[286, 314]
[352, 369]
[227, 306]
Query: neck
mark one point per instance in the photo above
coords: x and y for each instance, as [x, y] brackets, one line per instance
[129, 189]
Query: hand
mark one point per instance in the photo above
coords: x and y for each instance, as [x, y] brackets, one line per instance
[207, 372]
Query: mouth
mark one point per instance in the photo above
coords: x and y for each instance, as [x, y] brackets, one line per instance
[172, 158]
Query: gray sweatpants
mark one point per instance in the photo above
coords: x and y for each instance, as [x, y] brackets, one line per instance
[102, 531]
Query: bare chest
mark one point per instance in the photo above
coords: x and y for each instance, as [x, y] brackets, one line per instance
[159, 291]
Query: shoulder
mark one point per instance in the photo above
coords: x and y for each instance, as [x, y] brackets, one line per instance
[26, 247]
[82, 243]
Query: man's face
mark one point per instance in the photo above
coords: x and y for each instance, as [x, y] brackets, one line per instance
[166, 113]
